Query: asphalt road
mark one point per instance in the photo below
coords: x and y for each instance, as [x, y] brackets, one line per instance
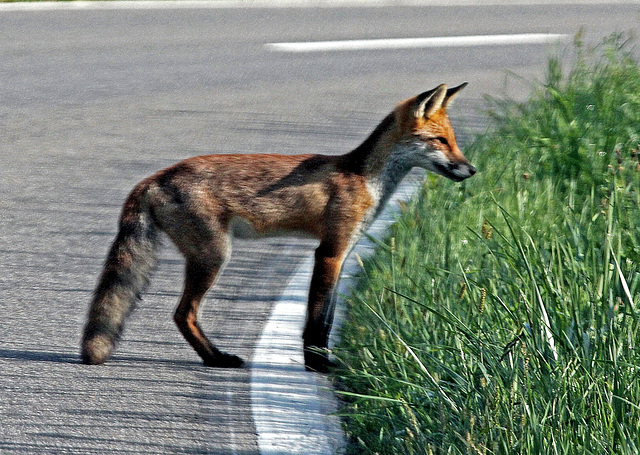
[91, 101]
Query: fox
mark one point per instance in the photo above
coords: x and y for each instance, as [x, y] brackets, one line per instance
[203, 202]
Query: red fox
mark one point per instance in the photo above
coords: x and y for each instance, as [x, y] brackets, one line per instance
[202, 202]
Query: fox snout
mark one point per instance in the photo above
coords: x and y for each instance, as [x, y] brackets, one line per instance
[462, 171]
[456, 171]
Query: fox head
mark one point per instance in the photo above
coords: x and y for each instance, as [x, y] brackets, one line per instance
[428, 139]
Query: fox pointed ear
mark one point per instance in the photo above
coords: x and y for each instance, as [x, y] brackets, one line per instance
[430, 101]
[453, 92]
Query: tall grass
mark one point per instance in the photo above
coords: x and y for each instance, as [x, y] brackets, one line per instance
[503, 314]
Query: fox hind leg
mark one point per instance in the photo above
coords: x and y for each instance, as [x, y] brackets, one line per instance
[200, 275]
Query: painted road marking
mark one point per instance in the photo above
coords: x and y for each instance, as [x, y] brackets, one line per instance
[417, 43]
[284, 397]
[292, 407]
[238, 4]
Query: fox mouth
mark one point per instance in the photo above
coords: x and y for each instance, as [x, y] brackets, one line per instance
[455, 172]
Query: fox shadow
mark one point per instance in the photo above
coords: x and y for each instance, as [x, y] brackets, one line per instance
[74, 359]
[38, 356]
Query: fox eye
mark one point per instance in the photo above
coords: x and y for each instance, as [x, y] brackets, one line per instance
[441, 140]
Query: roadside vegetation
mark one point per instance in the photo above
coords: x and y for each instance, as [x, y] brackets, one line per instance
[502, 315]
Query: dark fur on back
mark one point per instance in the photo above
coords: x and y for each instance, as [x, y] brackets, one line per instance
[355, 160]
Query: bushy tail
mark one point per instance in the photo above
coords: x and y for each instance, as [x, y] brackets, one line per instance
[126, 273]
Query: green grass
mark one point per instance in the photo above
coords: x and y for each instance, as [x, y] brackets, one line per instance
[503, 314]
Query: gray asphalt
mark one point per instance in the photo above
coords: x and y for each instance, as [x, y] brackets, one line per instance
[93, 101]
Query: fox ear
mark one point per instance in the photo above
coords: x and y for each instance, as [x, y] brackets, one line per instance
[453, 92]
[430, 101]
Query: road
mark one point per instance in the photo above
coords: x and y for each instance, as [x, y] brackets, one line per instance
[92, 100]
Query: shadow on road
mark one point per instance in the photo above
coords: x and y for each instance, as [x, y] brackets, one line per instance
[38, 356]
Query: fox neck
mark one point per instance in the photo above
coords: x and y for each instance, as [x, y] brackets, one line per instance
[383, 184]
[381, 159]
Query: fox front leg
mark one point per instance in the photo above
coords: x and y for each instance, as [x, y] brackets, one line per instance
[321, 306]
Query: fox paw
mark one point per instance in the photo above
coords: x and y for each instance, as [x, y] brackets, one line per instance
[316, 359]
[223, 360]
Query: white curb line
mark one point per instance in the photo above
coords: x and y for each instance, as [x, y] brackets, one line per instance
[290, 405]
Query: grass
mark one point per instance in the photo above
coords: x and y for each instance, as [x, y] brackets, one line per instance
[502, 315]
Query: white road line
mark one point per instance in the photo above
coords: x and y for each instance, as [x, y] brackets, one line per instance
[238, 4]
[284, 397]
[291, 407]
[412, 43]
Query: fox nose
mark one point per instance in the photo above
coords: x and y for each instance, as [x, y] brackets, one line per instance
[462, 171]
